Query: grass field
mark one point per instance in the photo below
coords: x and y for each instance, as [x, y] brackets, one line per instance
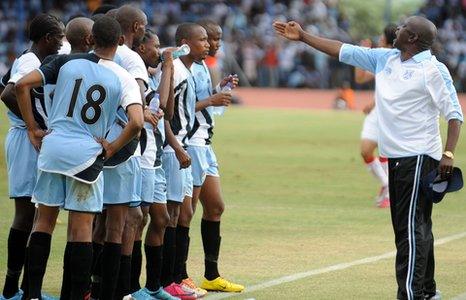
[298, 198]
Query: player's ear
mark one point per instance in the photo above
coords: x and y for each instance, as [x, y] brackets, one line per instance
[90, 39]
[135, 26]
[121, 40]
[141, 48]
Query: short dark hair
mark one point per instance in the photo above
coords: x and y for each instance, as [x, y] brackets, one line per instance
[148, 34]
[184, 31]
[106, 32]
[208, 24]
[103, 9]
[390, 33]
[42, 25]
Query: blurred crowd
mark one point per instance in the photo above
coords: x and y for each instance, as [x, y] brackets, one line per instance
[250, 47]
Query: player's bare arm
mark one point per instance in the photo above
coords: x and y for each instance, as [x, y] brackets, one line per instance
[23, 93]
[219, 99]
[165, 80]
[293, 31]
[133, 128]
[183, 157]
[170, 109]
[8, 97]
[446, 163]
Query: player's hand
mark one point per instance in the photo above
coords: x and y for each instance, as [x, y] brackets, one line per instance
[366, 43]
[35, 136]
[221, 99]
[108, 150]
[160, 114]
[232, 79]
[290, 30]
[150, 118]
[368, 108]
[167, 55]
[445, 167]
[183, 158]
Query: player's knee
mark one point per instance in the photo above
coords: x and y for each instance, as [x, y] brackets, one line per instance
[367, 155]
[160, 221]
[23, 222]
[145, 219]
[114, 231]
[215, 211]
[81, 232]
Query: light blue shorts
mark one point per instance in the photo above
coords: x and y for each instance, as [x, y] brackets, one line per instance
[178, 181]
[203, 163]
[53, 189]
[122, 184]
[154, 187]
[21, 159]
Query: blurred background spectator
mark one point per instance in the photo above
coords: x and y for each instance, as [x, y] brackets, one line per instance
[250, 47]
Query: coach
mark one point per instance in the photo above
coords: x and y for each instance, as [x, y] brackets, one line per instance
[412, 89]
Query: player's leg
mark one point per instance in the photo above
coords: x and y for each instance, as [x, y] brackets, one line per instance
[136, 256]
[118, 194]
[198, 169]
[213, 207]
[50, 195]
[182, 239]
[176, 190]
[21, 158]
[374, 165]
[98, 238]
[78, 260]
[111, 252]
[17, 240]
[378, 167]
[132, 224]
[83, 200]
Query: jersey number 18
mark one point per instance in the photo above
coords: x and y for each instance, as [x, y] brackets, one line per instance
[91, 103]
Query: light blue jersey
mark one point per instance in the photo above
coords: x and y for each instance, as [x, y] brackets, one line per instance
[202, 132]
[87, 94]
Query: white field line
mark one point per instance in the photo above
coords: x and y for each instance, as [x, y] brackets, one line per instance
[338, 267]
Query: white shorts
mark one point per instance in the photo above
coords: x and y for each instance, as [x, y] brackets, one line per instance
[58, 190]
[179, 181]
[370, 129]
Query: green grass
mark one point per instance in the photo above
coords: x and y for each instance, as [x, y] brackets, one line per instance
[298, 198]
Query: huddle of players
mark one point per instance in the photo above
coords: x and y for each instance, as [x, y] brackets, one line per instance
[79, 120]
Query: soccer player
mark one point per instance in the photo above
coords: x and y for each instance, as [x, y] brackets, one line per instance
[89, 89]
[122, 184]
[205, 174]
[46, 34]
[412, 89]
[160, 99]
[369, 135]
[176, 161]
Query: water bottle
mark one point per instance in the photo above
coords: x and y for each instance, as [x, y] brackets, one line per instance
[219, 110]
[154, 104]
[180, 51]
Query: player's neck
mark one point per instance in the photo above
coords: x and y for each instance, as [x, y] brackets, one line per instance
[129, 40]
[38, 52]
[187, 61]
[105, 53]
